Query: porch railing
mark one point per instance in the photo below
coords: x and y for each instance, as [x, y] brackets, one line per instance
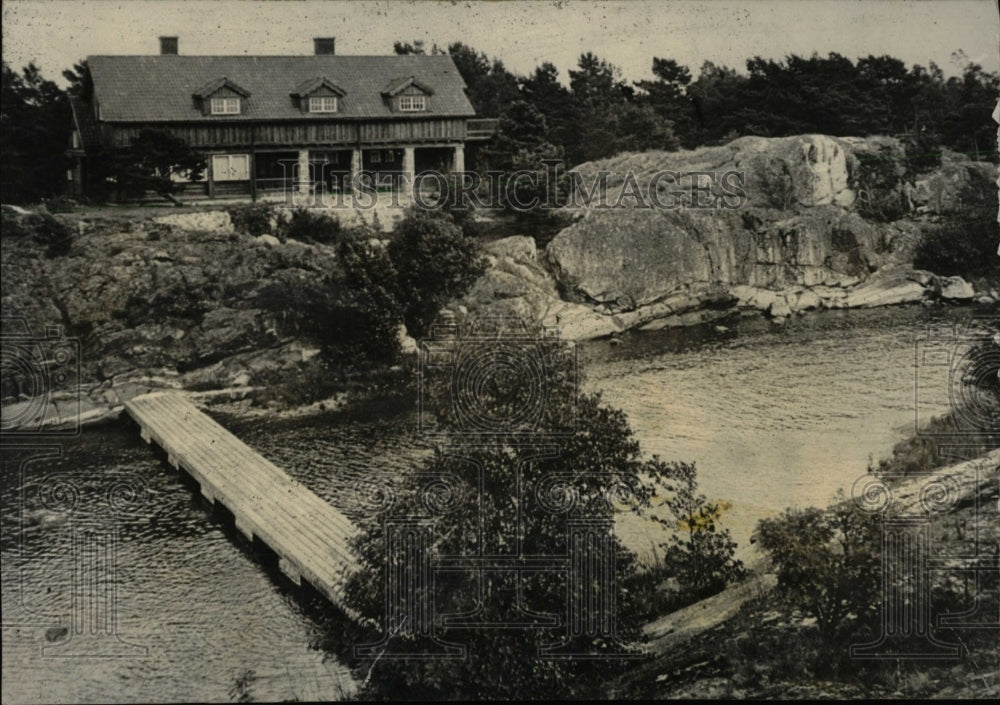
[481, 129]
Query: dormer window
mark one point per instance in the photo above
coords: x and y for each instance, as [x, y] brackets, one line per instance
[407, 95]
[226, 106]
[323, 104]
[412, 103]
[319, 95]
[221, 97]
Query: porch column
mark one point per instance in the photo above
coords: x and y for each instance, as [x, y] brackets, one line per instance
[408, 167]
[210, 174]
[304, 175]
[355, 167]
[458, 163]
[253, 176]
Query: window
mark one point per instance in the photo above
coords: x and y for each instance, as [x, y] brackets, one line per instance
[323, 104]
[230, 167]
[411, 103]
[376, 157]
[225, 106]
[390, 156]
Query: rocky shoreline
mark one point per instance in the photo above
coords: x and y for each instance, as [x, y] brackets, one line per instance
[802, 240]
[519, 285]
[188, 301]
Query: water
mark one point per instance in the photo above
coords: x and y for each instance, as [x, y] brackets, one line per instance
[199, 605]
[773, 416]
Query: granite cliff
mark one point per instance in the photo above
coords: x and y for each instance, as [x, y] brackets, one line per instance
[799, 240]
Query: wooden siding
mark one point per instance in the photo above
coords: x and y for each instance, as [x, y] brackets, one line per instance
[305, 133]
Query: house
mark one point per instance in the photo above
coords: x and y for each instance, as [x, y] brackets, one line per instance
[274, 123]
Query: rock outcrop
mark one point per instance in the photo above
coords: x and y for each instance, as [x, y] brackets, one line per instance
[798, 241]
[177, 294]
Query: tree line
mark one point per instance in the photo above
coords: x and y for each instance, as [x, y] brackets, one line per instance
[600, 114]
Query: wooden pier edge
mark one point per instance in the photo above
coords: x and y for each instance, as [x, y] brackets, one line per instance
[310, 536]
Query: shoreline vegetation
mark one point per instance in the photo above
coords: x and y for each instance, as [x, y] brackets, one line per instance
[865, 184]
[286, 312]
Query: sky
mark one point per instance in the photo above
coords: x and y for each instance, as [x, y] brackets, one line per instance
[57, 33]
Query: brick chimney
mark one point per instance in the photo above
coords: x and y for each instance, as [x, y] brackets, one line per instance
[324, 46]
[168, 45]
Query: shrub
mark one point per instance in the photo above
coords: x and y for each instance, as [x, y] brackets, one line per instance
[434, 263]
[877, 180]
[363, 324]
[149, 162]
[923, 153]
[699, 553]
[828, 564]
[256, 219]
[311, 226]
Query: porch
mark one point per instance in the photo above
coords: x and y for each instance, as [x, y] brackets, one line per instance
[332, 170]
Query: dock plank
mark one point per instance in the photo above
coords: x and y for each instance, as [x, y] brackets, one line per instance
[311, 537]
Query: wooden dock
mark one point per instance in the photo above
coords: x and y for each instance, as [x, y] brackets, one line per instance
[311, 537]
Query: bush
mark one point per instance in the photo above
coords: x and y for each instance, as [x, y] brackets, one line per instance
[150, 162]
[311, 226]
[878, 182]
[828, 564]
[434, 263]
[923, 153]
[699, 554]
[256, 219]
[363, 324]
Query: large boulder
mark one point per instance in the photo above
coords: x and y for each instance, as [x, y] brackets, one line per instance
[624, 259]
[785, 172]
[893, 285]
[957, 289]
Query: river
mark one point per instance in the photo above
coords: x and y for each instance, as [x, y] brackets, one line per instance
[773, 415]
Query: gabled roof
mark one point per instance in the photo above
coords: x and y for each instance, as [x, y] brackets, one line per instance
[159, 88]
[213, 86]
[310, 86]
[401, 84]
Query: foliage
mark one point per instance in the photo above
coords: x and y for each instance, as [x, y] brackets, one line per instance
[491, 86]
[34, 134]
[433, 263]
[352, 313]
[828, 563]
[923, 153]
[454, 200]
[254, 219]
[600, 470]
[363, 324]
[966, 243]
[699, 554]
[878, 181]
[312, 226]
[667, 96]
[150, 162]
[975, 416]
